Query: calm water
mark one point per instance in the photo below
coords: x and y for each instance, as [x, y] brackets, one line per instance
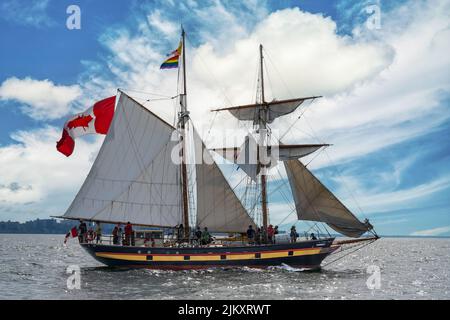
[34, 267]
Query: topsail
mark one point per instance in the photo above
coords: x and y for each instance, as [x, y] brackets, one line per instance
[275, 109]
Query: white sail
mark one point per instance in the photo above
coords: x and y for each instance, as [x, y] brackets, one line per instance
[218, 207]
[133, 178]
[275, 109]
[247, 155]
[314, 202]
[297, 151]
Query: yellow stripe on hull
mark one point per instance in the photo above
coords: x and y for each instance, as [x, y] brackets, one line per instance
[128, 257]
[205, 258]
[168, 258]
[307, 252]
[240, 256]
[244, 256]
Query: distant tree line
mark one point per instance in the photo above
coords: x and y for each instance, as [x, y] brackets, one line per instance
[38, 226]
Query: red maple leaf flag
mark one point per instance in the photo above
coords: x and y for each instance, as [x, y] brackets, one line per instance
[96, 119]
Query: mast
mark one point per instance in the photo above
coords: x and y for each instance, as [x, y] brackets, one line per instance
[182, 117]
[262, 136]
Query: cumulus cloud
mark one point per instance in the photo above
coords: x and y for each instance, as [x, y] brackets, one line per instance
[35, 179]
[406, 100]
[304, 48]
[40, 99]
[167, 28]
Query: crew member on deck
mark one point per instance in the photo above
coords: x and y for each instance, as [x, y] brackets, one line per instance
[313, 236]
[258, 236]
[270, 233]
[198, 234]
[90, 235]
[251, 234]
[180, 232]
[275, 232]
[293, 234]
[119, 235]
[115, 234]
[206, 237]
[128, 234]
[98, 233]
[263, 235]
[82, 230]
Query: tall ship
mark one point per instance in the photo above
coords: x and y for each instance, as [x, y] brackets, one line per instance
[144, 175]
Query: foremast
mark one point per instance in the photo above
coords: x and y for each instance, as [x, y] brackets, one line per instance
[183, 117]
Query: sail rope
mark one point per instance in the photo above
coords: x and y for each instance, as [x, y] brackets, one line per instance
[209, 72]
[302, 112]
[148, 93]
[358, 247]
[266, 54]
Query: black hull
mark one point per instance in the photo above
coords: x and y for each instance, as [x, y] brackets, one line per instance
[305, 254]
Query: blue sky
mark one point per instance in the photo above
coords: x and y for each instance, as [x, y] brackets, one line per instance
[385, 107]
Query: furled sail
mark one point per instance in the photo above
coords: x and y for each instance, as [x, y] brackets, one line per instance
[133, 178]
[315, 202]
[297, 151]
[275, 109]
[218, 207]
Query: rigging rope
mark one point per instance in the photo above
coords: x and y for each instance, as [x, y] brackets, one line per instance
[148, 93]
[305, 108]
[358, 248]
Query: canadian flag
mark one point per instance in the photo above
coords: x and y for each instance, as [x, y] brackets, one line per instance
[73, 232]
[96, 119]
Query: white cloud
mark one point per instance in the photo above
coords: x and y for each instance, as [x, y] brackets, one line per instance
[391, 200]
[405, 101]
[35, 179]
[166, 27]
[26, 12]
[41, 99]
[432, 232]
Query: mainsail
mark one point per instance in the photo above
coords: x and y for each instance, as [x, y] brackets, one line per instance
[218, 207]
[314, 202]
[133, 178]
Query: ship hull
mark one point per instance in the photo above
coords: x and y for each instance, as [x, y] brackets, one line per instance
[305, 254]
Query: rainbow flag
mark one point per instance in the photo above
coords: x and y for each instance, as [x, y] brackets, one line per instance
[172, 62]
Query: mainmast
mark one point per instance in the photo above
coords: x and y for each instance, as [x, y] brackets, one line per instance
[183, 117]
[262, 127]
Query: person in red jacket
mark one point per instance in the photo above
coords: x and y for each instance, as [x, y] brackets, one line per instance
[128, 234]
[270, 233]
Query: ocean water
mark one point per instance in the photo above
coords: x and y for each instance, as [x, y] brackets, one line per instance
[35, 267]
